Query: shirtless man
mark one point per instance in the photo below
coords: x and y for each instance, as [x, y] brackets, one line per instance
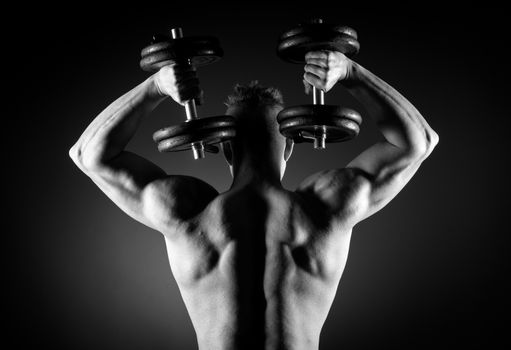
[257, 266]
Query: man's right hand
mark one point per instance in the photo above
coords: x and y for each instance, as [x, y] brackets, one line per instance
[180, 82]
[324, 69]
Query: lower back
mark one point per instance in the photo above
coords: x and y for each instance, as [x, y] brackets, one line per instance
[286, 312]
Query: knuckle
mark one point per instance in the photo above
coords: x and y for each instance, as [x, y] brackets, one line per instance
[167, 73]
[330, 58]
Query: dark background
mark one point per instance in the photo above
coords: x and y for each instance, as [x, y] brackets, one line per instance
[430, 271]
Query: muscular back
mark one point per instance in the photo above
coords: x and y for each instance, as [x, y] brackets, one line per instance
[258, 268]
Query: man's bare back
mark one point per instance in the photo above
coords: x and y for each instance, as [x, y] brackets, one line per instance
[258, 266]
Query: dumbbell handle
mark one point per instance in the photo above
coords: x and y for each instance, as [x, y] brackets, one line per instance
[190, 105]
[318, 96]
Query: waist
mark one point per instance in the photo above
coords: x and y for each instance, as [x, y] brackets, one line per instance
[277, 326]
[251, 340]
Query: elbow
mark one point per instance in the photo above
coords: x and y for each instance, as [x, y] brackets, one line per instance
[83, 159]
[432, 140]
[427, 145]
[75, 154]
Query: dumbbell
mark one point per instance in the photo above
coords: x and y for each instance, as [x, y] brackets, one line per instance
[197, 134]
[318, 123]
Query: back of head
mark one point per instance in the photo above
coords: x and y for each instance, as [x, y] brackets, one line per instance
[254, 95]
[255, 108]
[258, 138]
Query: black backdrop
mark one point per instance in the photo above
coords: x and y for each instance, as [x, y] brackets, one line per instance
[427, 272]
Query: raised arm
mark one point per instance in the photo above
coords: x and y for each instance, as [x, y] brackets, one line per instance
[140, 188]
[374, 177]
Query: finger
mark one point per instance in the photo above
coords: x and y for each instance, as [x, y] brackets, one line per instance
[307, 87]
[168, 74]
[183, 84]
[186, 81]
[190, 93]
[314, 80]
[196, 94]
[317, 54]
[185, 76]
[317, 61]
[199, 100]
[316, 70]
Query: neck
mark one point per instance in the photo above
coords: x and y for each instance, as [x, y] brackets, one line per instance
[255, 171]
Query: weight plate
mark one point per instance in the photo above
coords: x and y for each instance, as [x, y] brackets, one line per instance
[306, 129]
[193, 126]
[304, 123]
[307, 27]
[207, 137]
[200, 50]
[209, 131]
[294, 44]
[319, 111]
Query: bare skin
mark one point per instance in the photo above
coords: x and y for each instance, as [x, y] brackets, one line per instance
[258, 266]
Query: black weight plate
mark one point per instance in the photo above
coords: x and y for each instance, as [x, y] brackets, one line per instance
[194, 126]
[200, 50]
[304, 129]
[319, 111]
[181, 45]
[207, 137]
[317, 37]
[303, 28]
[155, 47]
[302, 123]
[185, 46]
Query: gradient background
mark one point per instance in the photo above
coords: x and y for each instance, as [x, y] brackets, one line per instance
[430, 271]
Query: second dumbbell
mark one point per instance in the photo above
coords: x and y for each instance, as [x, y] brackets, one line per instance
[197, 134]
[318, 123]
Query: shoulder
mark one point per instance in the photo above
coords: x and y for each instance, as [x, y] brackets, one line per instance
[173, 199]
[341, 192]
[180, 185]
[325, 181]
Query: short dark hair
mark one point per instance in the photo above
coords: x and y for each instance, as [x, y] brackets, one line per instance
[254, 95]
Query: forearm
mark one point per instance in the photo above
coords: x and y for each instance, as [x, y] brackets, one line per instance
[109, 133]
[399, 121]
